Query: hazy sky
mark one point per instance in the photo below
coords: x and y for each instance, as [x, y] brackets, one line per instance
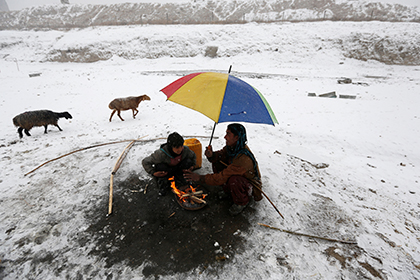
[20, 4]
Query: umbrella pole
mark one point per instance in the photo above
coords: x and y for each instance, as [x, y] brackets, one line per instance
[214, 127]
[211, 137]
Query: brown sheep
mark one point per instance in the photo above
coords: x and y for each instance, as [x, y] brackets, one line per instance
[29, 119]
[126, 103]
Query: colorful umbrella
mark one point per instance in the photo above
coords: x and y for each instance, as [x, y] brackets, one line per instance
[221, 97]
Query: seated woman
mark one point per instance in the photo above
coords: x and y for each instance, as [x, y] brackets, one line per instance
[234, 168]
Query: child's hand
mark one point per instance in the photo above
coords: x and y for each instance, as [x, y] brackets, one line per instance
[188, 170]
[160, 173]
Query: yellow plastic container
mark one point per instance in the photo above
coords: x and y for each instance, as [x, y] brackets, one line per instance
[195, 146]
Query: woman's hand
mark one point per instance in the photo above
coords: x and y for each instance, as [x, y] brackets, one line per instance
[191, 176]
[208, 152]
[160, 174]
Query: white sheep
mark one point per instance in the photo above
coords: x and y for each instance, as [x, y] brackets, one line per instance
[126, 103]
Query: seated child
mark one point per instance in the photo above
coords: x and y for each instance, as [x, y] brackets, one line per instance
[171, 160]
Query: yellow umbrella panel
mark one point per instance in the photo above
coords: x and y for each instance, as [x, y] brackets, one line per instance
[202, 92]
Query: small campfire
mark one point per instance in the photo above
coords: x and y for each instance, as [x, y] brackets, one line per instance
[188, 197]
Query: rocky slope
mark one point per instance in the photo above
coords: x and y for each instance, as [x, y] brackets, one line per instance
[204, 12]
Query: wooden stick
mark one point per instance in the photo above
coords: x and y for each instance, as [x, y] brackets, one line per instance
[86, 148]
[262, 193]
[122, 156]
[192, 136]
[198, 200]
[311, 236]
[269, 200]
[111, 190]
[190, 194]
[116, 167]
[103, 144]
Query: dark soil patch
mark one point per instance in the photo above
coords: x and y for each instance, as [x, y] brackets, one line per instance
[346, 256]
[146, 228]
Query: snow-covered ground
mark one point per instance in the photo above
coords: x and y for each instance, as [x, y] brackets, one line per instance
[368, 193]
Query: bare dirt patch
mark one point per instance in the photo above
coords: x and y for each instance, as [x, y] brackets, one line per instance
[154, 231]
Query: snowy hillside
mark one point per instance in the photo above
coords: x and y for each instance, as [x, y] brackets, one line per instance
[204, 12]
[391, 43]
[344, 169]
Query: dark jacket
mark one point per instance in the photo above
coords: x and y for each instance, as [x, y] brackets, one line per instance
[163, 155]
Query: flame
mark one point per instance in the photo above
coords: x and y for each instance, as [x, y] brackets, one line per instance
[180, 193]
[193, 189]
[177, 191]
